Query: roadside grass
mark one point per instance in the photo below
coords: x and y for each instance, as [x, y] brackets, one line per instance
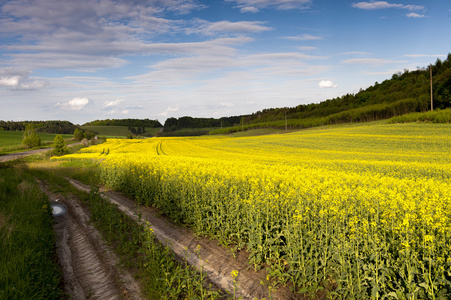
[28, 267]
[11, 141]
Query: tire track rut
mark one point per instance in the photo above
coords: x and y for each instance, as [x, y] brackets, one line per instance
[89, 267]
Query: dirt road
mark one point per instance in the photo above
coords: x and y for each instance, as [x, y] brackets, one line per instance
[89, 267]
[8, 157]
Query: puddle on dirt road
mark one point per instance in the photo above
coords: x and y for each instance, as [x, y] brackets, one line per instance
[58, 209]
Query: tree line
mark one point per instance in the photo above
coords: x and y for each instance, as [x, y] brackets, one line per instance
[58, 127]
[173, 124]
[139, 123]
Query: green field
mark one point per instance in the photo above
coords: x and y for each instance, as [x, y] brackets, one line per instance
[13, 139]
[117, 131]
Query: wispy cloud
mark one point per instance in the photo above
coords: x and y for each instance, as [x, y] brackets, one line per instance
[86, 35]
[414, 15]
[249, 9]
[256, 5]
[168, 110]
[425, 55]
[383, 4]
[241, 27]
[307, 48]
[370, 61]
[359, 53]
[113, 103]
[304, 37]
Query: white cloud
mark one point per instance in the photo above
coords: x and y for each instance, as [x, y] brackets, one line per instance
[249, 9]
[113, 103]
[19, 79]
[280, 4]
[227, 104]
[383, 4]
[9, 81]
[327, 84]
[77, 103]
[414, 15]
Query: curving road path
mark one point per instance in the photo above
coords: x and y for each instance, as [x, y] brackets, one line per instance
[8, 157]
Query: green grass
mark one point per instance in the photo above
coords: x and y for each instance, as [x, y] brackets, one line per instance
[11, 141]
[116, 131]
[436, 116]
[261, 131]
[28, 269]
[190, 131]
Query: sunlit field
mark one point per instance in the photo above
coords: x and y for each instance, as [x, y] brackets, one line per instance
[362, 211]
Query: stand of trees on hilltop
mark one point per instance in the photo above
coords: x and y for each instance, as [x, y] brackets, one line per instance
[58, 127]
[126, 122]
[173, 124]
[405, 92]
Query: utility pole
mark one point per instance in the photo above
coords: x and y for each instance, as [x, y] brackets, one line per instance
[432, 101]
[286, 125]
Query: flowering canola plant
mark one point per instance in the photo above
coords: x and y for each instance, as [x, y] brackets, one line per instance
[363, 211]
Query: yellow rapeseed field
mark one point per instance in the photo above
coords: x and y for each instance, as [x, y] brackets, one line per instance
[361, 210]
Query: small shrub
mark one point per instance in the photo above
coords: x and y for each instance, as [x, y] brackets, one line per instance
[30, 138]
[59, 145]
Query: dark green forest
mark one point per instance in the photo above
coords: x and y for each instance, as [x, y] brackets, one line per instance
[173, 124]
[58, 127]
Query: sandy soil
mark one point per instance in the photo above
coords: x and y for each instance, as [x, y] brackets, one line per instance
[215, 260]
[89, 267]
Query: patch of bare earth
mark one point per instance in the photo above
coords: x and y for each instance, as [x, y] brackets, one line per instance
[90, 268]
[215, 260]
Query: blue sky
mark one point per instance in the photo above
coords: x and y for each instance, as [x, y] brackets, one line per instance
[102, 59]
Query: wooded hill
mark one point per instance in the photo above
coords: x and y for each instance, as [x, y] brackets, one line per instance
[405, 92]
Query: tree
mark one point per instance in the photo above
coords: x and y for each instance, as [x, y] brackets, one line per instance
[59, 145]
[78, 134]
[30, 138]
